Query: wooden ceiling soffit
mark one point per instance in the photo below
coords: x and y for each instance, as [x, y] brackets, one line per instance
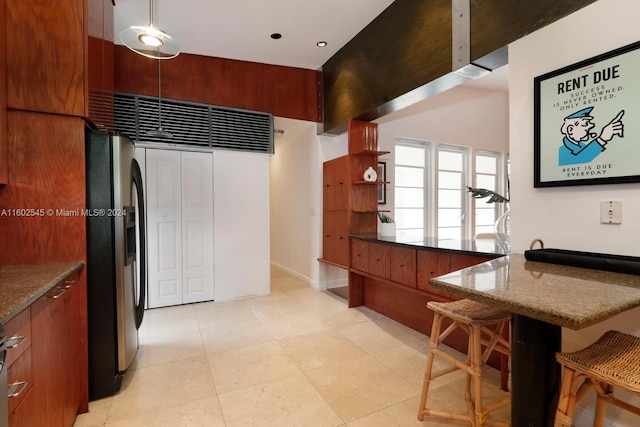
[406, 54]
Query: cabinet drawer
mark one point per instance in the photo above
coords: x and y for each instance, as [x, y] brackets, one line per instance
[19, 379]
[432, 264]
[403, 266]
[18, 331]
[379, 260]
[335, 242]
[360, 254]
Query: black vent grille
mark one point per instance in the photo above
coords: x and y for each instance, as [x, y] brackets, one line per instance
[193, 124]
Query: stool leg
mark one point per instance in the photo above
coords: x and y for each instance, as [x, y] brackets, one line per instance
[433, 345]
[564, 413]
[476, 367]
[604, 390]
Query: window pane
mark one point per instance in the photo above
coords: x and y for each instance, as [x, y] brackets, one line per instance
[450, 160]
[486, 181]
[450, 233]
[484, 229]
[485, 217]
[409, 177]
[409, 218]
[449, 180]
[486, 164]
[409, 156]
[409, 197]
[448, 218]
[449, 199]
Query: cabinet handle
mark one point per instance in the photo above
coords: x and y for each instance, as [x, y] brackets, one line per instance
[378, 260]
[61, 291]
[69, 283]
[13, 388]
[341, 182]
[328, 235]
[328, 185]
[340, 237]
[401, 265]
[15, 341]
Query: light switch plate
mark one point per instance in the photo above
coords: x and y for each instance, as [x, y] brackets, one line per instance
[611, 212]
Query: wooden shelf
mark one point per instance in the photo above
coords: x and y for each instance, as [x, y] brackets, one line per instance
[371, 153]
[370, 182]
[335, 264]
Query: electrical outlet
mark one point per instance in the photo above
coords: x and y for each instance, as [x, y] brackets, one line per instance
[611, 212]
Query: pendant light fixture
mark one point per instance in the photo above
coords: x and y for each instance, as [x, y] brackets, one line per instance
[150, 41]
[159, 131]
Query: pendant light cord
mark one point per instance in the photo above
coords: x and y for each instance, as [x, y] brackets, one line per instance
[151, 13]
[159, 96]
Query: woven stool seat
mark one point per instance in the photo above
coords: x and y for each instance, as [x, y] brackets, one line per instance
[470, 312]
[613, 360]
[484, 325]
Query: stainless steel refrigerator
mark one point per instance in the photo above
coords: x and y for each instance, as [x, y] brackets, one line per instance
[116, 259]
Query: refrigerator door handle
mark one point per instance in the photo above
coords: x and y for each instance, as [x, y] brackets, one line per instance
[142, 248]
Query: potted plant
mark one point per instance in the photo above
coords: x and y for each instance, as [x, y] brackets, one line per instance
[387, 225]
[502, 226]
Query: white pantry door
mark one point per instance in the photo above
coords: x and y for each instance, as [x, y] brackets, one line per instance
[180, 227]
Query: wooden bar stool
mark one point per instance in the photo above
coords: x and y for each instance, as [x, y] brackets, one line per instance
[484, 326]
[612, 361]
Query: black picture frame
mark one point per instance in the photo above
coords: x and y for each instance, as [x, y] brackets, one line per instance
[382, 188]
[602, 94]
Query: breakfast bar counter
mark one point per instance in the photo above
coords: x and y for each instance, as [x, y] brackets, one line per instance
[543, 298]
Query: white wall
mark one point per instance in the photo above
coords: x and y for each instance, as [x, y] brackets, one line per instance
[241, 224]
[568, 217]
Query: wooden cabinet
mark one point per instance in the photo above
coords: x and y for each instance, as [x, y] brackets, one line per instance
[60, 49]
[432, 264]
[58, 358]
[346, 191]
[380, 260]
[4, 165]
[19, 374]
[360, 255]
[335, 240]
[403, 265]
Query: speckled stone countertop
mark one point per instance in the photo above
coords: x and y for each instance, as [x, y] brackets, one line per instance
[488, 247]
[22, 285]
[571, 297]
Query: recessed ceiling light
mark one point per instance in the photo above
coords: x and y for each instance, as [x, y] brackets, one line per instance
[321, 44]
[276, 36]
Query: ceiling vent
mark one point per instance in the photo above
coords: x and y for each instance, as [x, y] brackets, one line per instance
[193, 124]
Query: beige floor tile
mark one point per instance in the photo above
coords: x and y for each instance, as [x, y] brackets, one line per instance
[168, 321]
[370, 337]
[343, 317]
[203, 412]
[214, 305]
[97, 415]
[150, 389]
[155, 349]
[293, 325]
[290, 401]
[404, 414]
[223, 317]
[266, 308]
[235, 336]
[400, 331]
[359, 387]
[246, 366]
[320, 349]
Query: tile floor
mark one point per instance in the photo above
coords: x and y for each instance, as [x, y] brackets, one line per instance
[298, 357]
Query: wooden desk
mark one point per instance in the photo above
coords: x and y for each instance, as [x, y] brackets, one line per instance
[543, 298]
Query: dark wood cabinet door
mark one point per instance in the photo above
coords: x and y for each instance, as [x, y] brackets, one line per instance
[335, 237]
[380, 260]
[360, 255]
[403, 265]
[459, 261]
[48, 365]
[431, 264]
[4, 165]
[335, 184]
[45, 41]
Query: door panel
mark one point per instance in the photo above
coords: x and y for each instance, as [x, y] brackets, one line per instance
[164, 228]
[180, 217]
[197, 226]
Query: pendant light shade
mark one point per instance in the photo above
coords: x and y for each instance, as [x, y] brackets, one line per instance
[150, 41]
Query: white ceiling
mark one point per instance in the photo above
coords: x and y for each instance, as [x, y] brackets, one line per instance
[241, 29]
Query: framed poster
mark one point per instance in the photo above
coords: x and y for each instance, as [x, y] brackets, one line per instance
[382, 188]
[587, 121]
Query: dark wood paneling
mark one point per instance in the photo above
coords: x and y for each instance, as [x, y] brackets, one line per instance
[380, 260]
[47, 171]
[46, 44]
[360, 255]
[403, 266]
[4, 165]
[335, 242]
[409, 45]
[283, 91]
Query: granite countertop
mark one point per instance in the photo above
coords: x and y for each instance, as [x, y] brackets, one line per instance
[571, 297]
[488, 247]
[22, 285]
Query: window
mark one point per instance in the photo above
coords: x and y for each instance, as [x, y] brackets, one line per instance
[430, 189]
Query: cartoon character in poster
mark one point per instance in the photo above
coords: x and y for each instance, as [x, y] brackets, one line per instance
[581, 146]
